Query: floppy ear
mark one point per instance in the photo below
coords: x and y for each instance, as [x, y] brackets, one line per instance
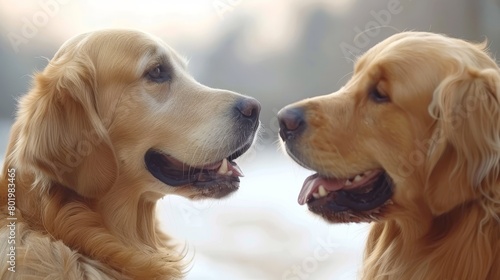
[467, 153]
[61, 136]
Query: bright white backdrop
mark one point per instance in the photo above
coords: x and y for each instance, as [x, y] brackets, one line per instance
[261, 232]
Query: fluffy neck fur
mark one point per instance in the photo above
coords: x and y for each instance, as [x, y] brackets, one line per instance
[450, 246]
[121, 232]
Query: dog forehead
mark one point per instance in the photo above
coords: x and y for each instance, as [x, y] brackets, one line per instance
[131, 43]
[156, 47]
[406, 58]
[405, 47]
[138, 48]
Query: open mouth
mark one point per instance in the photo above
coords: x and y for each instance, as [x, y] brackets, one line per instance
[360, 198]
[216, 179]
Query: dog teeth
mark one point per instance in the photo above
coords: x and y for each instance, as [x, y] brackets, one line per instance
[322, 191]
[223, 168]
[358, 178]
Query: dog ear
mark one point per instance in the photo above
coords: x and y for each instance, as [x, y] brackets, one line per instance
[61, 135]
[467, 153]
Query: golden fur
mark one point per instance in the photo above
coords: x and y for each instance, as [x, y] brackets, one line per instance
[437, 136]
[85, 203]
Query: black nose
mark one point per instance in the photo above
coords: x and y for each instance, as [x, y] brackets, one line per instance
[249, 108]
[291, 123]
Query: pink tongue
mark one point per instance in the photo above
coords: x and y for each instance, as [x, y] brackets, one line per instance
[312, 183]
[235, 169]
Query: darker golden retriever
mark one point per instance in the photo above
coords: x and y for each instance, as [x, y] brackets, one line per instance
[111, 125]
[412, 144]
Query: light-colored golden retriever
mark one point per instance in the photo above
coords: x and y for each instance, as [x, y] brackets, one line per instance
[111, 125]
[412, 144]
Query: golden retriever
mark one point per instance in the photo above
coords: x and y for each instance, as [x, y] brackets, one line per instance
[412, 144]
[111, 125]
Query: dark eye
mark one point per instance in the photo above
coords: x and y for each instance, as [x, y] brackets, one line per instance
[378, 97]
[158, 74]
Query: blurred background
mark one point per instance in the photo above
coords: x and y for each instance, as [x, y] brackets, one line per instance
[276, 51]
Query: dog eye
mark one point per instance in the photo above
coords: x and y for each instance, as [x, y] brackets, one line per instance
[378, 97]
[158, 74]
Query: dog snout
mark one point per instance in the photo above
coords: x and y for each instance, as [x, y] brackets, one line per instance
[292, 123]
[248, 108]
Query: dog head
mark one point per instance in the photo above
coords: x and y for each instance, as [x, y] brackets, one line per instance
[415, 130]
[118, 107]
